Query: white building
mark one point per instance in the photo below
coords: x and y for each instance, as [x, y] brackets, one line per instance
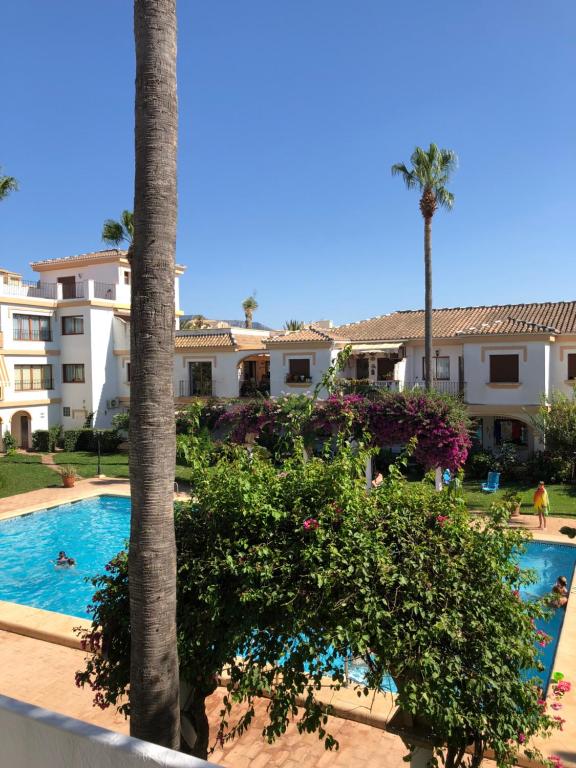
[65, 353]
[62, 343]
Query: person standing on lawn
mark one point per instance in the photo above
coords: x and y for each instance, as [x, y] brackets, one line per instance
[541, 505]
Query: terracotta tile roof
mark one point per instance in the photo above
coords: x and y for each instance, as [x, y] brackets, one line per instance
[309, 334]
[228, 340]
[549, 317]
[107, 253]
[203, 340]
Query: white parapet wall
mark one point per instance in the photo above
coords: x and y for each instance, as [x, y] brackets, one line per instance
[31, 737]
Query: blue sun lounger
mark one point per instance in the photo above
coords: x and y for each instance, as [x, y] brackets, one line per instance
[493, 482]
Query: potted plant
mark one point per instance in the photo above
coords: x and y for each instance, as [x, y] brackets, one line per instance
[69, 475]
[512, 499]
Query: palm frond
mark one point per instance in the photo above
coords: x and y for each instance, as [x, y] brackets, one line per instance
[7, 184]
[444, 198]
[293, 325]
[409, 178]
[128, 225]
[113, 232]
[250, 304]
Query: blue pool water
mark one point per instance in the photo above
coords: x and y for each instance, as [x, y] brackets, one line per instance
[94, 530]
[91, 531]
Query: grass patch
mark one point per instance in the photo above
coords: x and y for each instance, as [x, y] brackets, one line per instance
[562, 497]
[22, 472]
[111, 464]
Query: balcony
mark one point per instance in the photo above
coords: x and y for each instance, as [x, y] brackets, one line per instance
[29, 289]
[194, 388]
[33, 386]
[367, 387]
[32, 334]
[105, 291]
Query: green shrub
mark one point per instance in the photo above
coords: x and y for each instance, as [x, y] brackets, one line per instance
[10, 443]
[85, 440]
[552, 468]
[55, 437]
[479, 464]
[41, 440]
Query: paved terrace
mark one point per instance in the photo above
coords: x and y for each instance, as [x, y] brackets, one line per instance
[39, 657]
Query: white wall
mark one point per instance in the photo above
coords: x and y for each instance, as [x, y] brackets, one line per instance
[532, 373]
[320, 360]
[414, 355]
[103, 373]
[32, 737]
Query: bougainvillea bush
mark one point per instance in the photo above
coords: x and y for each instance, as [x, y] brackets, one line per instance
[296, 566]
[439, 423]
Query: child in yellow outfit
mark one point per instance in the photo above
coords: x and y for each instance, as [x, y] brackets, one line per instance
[541, 504]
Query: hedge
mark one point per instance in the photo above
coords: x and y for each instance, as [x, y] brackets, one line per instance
[85, 440]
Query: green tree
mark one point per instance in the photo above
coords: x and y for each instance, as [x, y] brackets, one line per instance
[196, 322]
[8, 184]
[293, 325]
[154, 677]
[430, 173]
[118, 232]
[299, 567]
[249, 305]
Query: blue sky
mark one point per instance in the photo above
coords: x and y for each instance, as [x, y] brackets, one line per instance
[291, 114]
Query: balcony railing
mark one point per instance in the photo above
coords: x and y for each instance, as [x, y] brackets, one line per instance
[195, 389]
[31, 386]
[365, 386]
[297, 378]
[30, 288]
[74, 290]
[105, 291]
[444, 387]
[34, 334]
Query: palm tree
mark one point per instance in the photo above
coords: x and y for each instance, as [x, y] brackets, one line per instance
[430, 172]
[118, 232]
[7, 184]
[154, 675]
[293, 325]
[249, 305]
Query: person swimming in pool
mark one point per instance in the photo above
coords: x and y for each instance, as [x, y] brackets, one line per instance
[64, 561]
[560, 592]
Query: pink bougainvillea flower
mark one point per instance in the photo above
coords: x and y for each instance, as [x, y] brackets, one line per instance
[555, 761]
[556, 705]
[521, 738]
[311, 524]
[542, 703]
[560, 721]
[562, 687]
[441, 519]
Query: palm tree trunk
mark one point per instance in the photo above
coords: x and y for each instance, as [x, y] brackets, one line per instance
[154, 689]
[428, 302]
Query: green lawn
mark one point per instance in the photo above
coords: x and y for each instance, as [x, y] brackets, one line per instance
[562, 497]
[111, 464]
[24, 472]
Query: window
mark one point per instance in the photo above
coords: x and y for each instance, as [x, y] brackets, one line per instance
[31, 328]
[32, 377]
[571, 365]
[66, 410]
[510, 431]
[361, 367]
[298, 370]
[385, 368]
[504, 369]
[73, 373]
[126, 277]
[72, 325]
[440, 368]
[128, 372]
[199, 379]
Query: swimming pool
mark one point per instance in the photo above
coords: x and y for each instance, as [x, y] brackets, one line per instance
[94, 530]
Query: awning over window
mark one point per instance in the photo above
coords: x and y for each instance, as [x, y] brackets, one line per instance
[378, 347]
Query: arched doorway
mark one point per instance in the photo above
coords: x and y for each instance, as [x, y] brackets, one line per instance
[21, 429]
[254, 375]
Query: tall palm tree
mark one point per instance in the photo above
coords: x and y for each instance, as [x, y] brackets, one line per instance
[7, 184]
[249, 305]
[430, 173]
[118, 232]
[154, 675]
